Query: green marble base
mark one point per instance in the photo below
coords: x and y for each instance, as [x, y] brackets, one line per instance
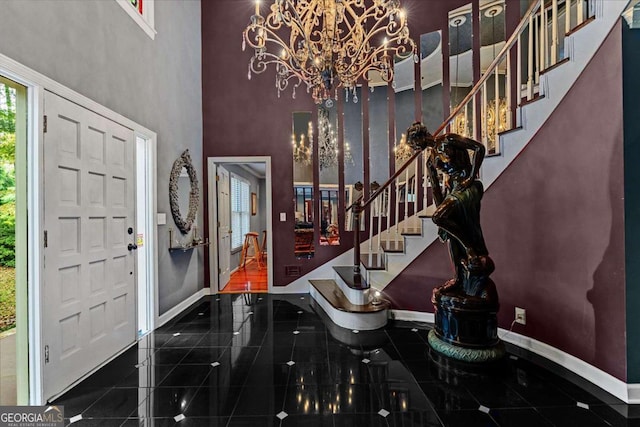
[470, 355]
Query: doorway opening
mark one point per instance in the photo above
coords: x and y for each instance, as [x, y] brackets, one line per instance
[146, 251]
[240, 224]
[14, 378]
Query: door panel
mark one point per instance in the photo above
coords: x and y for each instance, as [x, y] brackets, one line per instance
[224, 232]
[89, 277]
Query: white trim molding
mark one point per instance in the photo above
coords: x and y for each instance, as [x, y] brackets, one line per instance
[412, 316]
[179, 308]
[628, 393]
[146, 21]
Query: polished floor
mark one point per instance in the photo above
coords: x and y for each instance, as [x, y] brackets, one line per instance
[251, 278]
[270, 360]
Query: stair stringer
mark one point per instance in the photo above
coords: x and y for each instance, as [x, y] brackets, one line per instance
[581, 46]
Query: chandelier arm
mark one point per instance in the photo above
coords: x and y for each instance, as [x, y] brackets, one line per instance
[273, 38]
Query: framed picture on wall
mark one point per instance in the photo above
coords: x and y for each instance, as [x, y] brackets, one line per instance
[254, 203]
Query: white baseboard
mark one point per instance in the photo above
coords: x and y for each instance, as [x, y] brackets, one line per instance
[634, 393]
[179, 308]
[412, 316]
[605, 381]
[628, 393]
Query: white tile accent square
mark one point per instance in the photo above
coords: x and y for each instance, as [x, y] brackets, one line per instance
[215, 364]
[291, 363]
[484, 409]
[582, 405]
[75, 419]
[282, 415]
[383, 412]
[179, 417]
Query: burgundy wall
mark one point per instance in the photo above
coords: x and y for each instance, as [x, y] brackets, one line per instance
[554, 225]
[245, 117]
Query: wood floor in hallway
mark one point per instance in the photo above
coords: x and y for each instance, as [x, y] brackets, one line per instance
[247, 279]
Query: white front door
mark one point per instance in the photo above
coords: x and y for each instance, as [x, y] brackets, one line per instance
[224, 225]
[89, 272]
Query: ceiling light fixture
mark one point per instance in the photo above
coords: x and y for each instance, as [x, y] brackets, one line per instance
[328, 44]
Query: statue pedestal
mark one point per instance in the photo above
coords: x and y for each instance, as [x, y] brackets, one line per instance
[466, 327]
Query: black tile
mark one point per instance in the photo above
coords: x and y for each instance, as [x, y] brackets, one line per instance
[215, 339]
[79, 399]
[101, 422]
[304, 399]
[168, 356]
[117, 403]
[183, 340]
[495, 394]
[338, 378]
[519, 417]
[187, 422]
[466, 419]
[213, 402]
[619, 415]
[446, 397]
[572, 416]
[203, 355]
[168, 402]
[186, 376]
[308, 421]
[239, 421]
[146, 376]
[360, 420]
[266, 400]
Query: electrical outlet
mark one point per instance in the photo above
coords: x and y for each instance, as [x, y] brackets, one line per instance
[521, 316]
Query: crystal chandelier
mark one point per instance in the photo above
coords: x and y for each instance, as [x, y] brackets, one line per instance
[327, 142]
[302, 148]
[328, 44]
[402, 151]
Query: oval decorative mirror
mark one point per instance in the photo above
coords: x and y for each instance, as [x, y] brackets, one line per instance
[183, 162]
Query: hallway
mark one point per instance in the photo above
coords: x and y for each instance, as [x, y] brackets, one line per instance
[248, 279]
[258, 360]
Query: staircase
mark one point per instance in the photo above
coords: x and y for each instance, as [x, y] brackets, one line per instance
[399, 212]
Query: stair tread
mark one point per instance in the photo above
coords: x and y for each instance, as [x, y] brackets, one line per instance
[372, 261]
[427, 212]
[392, 246]
[334, 295]
[351, 279]
[412, 231]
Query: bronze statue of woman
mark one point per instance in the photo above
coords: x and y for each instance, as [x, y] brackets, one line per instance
[457, 197]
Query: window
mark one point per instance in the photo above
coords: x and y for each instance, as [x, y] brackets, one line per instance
[240, 210]
[142, 11]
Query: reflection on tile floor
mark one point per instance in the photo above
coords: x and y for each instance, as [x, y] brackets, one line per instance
[270, 360]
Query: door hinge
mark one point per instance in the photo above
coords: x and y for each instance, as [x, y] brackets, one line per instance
[46, 239]
[219, 271]
[217, 177]
[46, 354]
[44, 124]
[218, 224]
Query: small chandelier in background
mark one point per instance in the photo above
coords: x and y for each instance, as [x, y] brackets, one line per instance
[491, 131]
[327, 142]
[402, 151]
[303, 148]
[348, 158]
[328, 44]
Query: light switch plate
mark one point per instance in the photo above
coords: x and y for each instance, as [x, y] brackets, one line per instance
[162, 218]
[283, 216]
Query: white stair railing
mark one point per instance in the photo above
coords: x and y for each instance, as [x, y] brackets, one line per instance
[538, 33]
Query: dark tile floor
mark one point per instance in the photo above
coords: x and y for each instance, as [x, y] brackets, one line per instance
[270, 360]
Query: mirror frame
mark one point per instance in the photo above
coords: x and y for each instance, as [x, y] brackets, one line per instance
[184, 225]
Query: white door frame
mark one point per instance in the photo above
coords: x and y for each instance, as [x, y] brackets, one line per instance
[36, 84]
[213, 215]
